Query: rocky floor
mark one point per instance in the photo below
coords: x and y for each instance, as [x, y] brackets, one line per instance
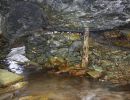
[112, 60]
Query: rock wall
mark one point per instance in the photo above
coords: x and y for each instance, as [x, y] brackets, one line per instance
[22, 17]
[55, 49]
[25, 23]
[26, 17]
[97, 14]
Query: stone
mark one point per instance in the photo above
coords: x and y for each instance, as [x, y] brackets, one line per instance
[76, 46]
[97, 14]
[16, 59]
[62, 51]
[7, 78]
[52, 52]
[6, 96]
[95, 74]
[13, 87]
[23, 17]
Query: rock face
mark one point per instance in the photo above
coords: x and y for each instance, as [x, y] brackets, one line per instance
[55, 49]
[26, 18]
[23, 17]
[97, 14]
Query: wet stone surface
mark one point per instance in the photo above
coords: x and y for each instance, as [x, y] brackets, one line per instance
[21, 18]
[54, 48]
[97, 14]
[113, 60]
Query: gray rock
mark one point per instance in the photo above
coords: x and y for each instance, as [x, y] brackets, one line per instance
[23, 17]
[76, 46]
[97, 14]
[63, 52]
[42, 52]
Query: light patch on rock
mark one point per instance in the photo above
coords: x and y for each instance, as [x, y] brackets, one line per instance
[16, 56]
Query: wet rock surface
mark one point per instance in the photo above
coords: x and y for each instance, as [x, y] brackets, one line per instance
[113, 60]
[23, 17]
[97, 14]
[50, 49]
[12, 88]
[7, 78]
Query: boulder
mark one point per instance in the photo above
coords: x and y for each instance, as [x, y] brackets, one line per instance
[8, 78]
[22, 18]
[97, 14]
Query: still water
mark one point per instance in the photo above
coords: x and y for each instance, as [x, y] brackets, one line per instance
[69, 88]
